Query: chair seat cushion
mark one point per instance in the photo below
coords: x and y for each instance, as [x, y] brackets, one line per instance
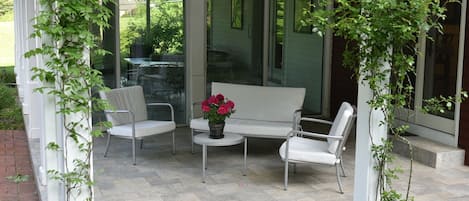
[247, 127]
[143, 128]
[308, 150]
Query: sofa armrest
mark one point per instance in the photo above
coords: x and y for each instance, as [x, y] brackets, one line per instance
[297, 119]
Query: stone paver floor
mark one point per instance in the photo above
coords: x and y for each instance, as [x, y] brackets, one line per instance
[159, 175]
[15, 159]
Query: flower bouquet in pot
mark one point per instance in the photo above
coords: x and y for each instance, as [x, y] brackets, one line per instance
[216, 109]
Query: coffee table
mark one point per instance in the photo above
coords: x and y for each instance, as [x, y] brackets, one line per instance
[229, 140]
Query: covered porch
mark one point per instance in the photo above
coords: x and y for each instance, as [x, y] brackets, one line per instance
[160, 175]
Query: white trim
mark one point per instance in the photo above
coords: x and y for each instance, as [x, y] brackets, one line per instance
[196, 55]
[326, 69]
[117, 51]
[462, 36]
[266, 43]
[435, 122]
[429, 133]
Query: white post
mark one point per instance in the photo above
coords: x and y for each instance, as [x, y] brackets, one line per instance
[368, 130]
[195, 22]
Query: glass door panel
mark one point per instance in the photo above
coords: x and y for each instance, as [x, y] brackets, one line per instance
[275, 76]
[437, 73]
[234, 50]
[152, 51]
[441, 59]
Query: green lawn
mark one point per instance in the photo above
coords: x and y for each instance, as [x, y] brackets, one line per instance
[7, 44]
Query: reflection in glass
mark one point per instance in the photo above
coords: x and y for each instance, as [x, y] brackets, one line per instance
[151, 51]
[277, 43]
[441, 58]
[234, 55]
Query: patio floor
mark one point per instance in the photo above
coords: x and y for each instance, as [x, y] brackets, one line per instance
[159, 175]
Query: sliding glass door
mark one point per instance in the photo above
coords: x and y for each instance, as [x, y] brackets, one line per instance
[437, 75]
[234, 41]
[146, 41]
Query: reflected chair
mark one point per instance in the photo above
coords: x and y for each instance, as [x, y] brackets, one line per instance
[129, 117]
[301, 148]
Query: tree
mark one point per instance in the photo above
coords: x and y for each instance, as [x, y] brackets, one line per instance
[5, 6]
[165, 34]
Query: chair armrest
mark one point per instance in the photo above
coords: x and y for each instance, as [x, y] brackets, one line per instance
[316, 120]
[119, 111]
[164, 104]
[324, 136]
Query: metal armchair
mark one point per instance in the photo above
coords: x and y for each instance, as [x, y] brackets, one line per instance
[130, 118]
[300, 149]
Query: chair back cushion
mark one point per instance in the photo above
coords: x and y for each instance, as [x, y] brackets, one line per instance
[341, 125]
[127, 98]
[261, 102]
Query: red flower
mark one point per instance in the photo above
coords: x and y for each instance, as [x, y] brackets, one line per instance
[213, 100]
[230, 104]
[223, 109]
[220, 97]
[205, 103]
[205, 108]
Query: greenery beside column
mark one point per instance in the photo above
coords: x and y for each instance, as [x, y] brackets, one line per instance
[64, 27]
[382, 32]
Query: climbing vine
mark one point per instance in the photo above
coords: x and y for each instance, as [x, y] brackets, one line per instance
[64, 27]
[382, 38]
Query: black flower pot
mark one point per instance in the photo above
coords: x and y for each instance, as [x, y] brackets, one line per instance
[216, 130]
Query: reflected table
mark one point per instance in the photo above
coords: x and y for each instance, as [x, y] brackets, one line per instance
[229, 140]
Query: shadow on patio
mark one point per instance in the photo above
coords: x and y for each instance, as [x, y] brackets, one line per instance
[159, 175]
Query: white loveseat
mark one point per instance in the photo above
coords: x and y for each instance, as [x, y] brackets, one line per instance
[261, 111]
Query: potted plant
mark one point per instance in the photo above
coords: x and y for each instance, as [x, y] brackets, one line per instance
[216, 109]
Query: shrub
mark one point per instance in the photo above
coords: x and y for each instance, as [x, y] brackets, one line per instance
[10, 113]
[7, 75]
[7, 96]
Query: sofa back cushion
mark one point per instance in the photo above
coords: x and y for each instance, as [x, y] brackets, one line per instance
[127, 98]
[261, 102]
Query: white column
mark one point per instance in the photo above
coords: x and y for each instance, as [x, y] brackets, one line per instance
[368, 124]
[195, 21]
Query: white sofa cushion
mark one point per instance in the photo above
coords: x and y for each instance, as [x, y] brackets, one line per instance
[247, 127]
[262, 102]
[143, 128]
[308, 150]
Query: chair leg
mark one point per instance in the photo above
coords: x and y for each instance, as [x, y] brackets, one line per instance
[338, 178]
[174, 142]
[342, 168]
[286, 175]
[141, 144]
[192, 140]
[107, 144]
[133, 151]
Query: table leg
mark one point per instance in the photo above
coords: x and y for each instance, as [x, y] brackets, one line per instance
[245, 155]
[204, 160]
